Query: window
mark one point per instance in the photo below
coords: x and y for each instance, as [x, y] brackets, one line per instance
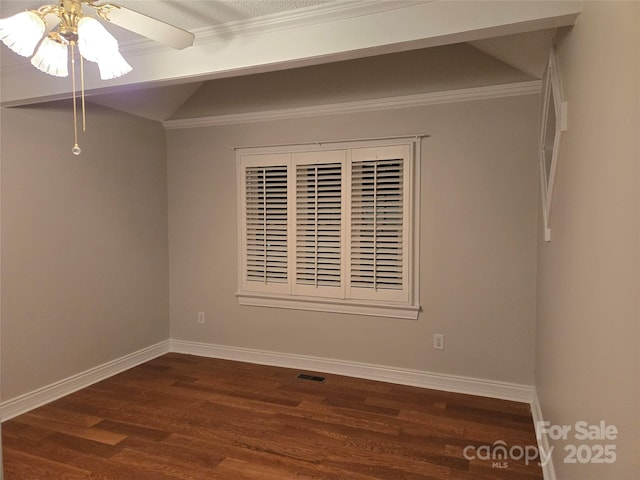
[330, 227]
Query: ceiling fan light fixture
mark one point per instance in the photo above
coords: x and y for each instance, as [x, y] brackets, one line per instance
[22, 32]
[94, 41]
[52, 57]
[96, 44]
[113, 65]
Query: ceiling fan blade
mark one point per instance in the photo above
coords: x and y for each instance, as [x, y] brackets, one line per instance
[149, 27]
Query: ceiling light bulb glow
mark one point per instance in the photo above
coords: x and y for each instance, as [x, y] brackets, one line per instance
[113, 66]
[22, 32]
[96, 44]
[52, 57]
[94, 40]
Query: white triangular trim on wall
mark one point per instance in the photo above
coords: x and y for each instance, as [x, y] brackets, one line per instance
[404, 101]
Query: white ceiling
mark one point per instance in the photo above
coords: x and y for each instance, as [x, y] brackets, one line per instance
[187, 14]
[239, 37]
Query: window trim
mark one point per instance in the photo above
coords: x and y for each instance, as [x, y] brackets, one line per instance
[554, 114]
[391, 309]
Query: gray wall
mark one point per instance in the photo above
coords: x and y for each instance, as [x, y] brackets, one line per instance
[84, 239]
[84, 243]
[588, 318]
[478, 242]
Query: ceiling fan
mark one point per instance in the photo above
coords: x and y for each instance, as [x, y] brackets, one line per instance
[67, 24]
[60, 28]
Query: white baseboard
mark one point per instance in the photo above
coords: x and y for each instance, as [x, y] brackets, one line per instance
[450, 383]
[24, 403]
[416, 378]
[548, 471]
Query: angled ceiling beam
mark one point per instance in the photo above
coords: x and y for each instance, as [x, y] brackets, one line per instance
[402, 25]
[527, 52]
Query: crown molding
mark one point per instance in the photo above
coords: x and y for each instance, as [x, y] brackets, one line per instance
[405, 101]
[329, 12]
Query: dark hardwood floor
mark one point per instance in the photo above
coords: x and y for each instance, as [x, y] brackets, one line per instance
[186, 417]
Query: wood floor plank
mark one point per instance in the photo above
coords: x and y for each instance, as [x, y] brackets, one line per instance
[95, 434]
[68, 454]
[51, 412]
[346, 416]
[23, 466]
[175, 462]
[182, 417]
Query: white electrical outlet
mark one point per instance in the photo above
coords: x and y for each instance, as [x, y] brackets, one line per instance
[201, 318]
[438, 341]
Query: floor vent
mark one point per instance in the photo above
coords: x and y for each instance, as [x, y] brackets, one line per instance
[313, 378]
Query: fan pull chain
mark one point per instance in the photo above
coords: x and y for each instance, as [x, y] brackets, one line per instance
[84, 114]
[76, 149]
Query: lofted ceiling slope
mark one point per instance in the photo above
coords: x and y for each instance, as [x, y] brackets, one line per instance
[437, 69]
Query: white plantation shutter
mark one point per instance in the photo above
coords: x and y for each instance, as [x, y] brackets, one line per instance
[266, 261]
[319, 224]
[378, 246]
[329, 229]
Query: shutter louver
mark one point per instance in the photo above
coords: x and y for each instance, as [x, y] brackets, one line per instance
[318, 224]
[377, 225]
[266, 224]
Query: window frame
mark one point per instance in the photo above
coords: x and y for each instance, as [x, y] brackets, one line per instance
[294, 297]
[552, 126]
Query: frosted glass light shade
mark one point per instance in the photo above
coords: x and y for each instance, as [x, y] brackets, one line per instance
[22, 32]
[96, 44]
[94, 40]
[52, 57]
[113, 66]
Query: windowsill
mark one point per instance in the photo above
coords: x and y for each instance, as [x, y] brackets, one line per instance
[390, 310]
